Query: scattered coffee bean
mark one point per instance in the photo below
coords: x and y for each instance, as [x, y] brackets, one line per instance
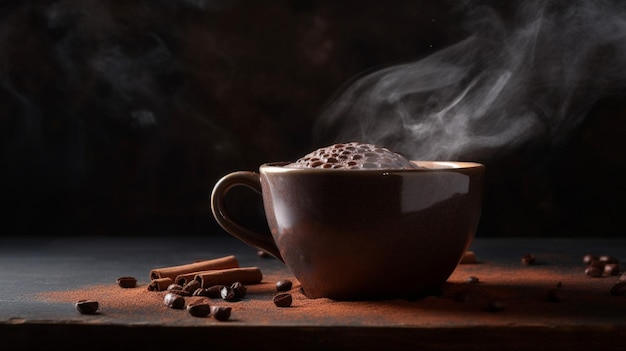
[608, 259]
[598, 264]
[87, 306]
[528, 259]
[495, 305]
[554, 295]
[239, 289]
[588, 259]
[174, 287]
[282, 300]
[181, 292]
[127, 282]
[619, 289]
[284, 285]
[611, 269]
[215, 291]
[608, 265]
[263, 254]
[623, 276]
[221, 313]
[173, 300]
[228, 294]
[593, 271]
[200, 308]
[191, 286]
[201, 292]
[177, 289]
[472, 279]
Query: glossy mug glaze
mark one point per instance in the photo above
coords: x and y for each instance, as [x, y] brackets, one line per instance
[363, 234]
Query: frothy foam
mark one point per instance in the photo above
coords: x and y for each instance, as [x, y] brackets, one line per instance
[353, 155]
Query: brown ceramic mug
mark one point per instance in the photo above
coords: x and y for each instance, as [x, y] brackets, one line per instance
[363, 234]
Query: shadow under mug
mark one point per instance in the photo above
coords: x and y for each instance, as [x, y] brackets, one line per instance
[362, 234]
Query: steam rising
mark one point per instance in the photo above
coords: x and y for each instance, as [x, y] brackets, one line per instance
[534, 75]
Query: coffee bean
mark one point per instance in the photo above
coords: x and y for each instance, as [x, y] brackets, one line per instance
[178, 290]
[284, 285]
[215, 291]
[282, 300]
[589, 258]
[191, 286]
[495, 305]
[201, 292]
[559, 285]
[173, 300]
[611, 269]
[263, 254]
[127, 282]
[200, 308]
[472, 279]
[619, 289]
[528, 259]
[228, 294]
[239, 289]
[221, 313]
[623, 276]
[174, 287]
[87, 306]
[593, 271]
[608, 259]
[597, 264]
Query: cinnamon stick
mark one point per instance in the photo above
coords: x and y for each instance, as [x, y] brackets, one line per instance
[244, 275]
[160, 284]
[198, 266]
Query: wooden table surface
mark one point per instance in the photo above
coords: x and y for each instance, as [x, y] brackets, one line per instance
[42, 278]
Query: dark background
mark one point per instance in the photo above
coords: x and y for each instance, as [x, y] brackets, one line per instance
[117, 117]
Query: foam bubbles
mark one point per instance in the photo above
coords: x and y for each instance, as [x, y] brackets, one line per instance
[353, 155]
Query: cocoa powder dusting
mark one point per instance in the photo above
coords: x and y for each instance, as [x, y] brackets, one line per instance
[111, 297]
[522, 289]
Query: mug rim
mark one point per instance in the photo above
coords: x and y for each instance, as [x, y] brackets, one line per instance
[428, 166]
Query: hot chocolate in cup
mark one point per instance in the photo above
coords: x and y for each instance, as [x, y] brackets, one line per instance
[362, 233]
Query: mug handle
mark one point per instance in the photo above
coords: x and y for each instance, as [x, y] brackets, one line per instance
[263, 241]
